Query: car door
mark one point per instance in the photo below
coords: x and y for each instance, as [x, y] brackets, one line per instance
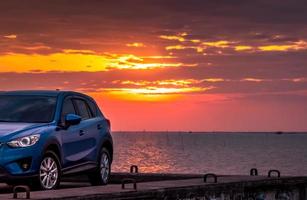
[88, 131]
[71, 136]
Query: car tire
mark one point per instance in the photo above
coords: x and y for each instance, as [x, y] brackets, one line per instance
[49, 175]
[101, 175]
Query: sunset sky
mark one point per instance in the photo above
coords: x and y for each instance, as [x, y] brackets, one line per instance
[188, 65]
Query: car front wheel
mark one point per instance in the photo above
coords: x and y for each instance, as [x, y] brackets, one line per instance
[49, 171]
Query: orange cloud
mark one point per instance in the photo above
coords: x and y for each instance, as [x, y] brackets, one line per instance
[136, 65]
[12, 36]
[80, 60]
[134, 62]
[300, 45]
[177, 47]
[158, 90]
[53, 62]
[182, 82]
[179, 37]
[195, 41]
[218, 44]
[213, 80]
[78, 51]
[35, 47]
[243, 48]
[151, 93]
[199, 49]
[135, 44]
[297, 80]
[200, 46]
[252, 80]
[159, 57]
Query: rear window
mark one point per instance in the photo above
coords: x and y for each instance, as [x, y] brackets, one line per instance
[93, 108]
[28, 109]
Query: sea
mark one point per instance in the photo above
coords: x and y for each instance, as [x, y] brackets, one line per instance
[219, 152]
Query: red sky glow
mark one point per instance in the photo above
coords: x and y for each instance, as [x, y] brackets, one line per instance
[165, 65]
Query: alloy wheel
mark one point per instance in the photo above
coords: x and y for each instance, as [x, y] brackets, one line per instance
[104, 167]
[48, 173]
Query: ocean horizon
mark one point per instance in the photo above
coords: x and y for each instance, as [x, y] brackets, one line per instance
[226, 153]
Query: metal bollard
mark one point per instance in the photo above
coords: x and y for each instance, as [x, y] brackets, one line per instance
[134, 169]
[129, 180]
[208, 175]
[21, 188]
[272, 171]
[254, 172]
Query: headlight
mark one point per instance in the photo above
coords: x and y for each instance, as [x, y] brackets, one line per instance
[24, 141]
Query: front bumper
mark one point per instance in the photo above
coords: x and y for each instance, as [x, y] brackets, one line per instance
[19, 163]
[6, 176]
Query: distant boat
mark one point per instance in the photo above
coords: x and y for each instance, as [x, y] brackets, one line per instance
[279, 132]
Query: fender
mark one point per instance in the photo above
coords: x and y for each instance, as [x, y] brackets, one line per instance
[50, 145]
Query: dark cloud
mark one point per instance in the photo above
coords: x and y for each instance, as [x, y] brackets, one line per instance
[106, 26]
[55, 21]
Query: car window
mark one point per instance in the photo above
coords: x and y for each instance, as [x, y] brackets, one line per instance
[93, 108]
[27, 108]
[68, 108]
[83, 109]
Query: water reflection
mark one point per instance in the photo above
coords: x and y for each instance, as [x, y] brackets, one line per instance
[140, 150]
[217, 153]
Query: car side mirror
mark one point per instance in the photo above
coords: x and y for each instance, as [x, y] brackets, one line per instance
[72, 119]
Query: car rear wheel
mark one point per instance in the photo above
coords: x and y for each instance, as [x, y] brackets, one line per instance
[49, 172]
[102, 173]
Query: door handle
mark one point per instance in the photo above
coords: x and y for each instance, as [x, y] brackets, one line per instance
[81, 132]
[99, 126]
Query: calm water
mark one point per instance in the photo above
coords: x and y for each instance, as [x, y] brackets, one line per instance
[221, 153]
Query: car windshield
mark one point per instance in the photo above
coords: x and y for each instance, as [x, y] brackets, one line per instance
[28, 109]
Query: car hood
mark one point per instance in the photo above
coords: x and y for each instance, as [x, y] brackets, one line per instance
[8, 128]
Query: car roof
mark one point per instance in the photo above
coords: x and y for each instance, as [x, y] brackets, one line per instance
[53, 93]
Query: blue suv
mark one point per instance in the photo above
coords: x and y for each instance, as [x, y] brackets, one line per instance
[47, 134]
